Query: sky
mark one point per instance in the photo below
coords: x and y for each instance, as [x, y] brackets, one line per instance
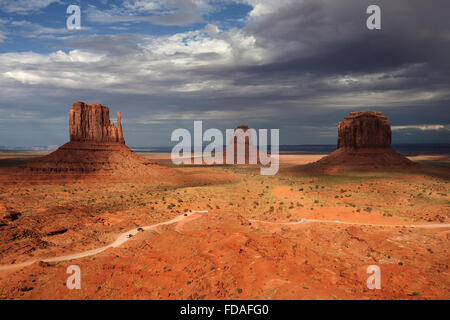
[295, 65]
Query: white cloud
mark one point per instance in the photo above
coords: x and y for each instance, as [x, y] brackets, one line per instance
[169, 5]
[33, 30]
[170, 63]
[157, 12]
[163, 12]
[25, 6]
[75, 56]
[204, 62]
[8, 115]
[223, 115]
[57, 69]
[142, 5]
[424, 127]
[30, 29]
[265, 7]
[3, 33]
[9, 60]
[187, 49]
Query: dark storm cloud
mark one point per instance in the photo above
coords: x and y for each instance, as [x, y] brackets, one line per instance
[328, 37]
[302, 66]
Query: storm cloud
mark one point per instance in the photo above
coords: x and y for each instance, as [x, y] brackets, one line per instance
[299, 66]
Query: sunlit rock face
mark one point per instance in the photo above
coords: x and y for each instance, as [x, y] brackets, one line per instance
[96, 146]
[90, 122]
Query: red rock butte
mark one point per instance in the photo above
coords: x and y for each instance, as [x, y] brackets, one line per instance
[364, 143]
[96, 147]
[247, 147]
[364, 129]
[90, 122]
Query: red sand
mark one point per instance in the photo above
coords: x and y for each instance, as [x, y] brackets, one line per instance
[242, 248]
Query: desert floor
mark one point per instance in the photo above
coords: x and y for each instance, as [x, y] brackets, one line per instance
[256, 241]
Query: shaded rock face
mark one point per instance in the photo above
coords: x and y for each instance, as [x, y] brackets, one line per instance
[364, 143]
[243, 140]
[90, 122]
[364, 129]
[246, 139]
[243, 143]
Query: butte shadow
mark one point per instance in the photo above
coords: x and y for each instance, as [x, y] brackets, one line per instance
[97, 153]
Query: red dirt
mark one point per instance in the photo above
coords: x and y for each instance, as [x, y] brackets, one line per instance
[242, 248]
[225, 256]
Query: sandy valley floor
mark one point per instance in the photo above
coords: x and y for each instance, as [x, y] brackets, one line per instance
[257, 240]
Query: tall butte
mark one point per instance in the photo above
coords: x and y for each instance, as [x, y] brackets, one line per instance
[90, 122]
[242, 144]
[364, 143]
[96, 147]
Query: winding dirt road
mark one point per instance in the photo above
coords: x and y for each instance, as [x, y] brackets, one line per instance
[124, 237]
[424, 226]
[120, 240]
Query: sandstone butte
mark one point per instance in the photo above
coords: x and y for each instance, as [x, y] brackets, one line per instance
[364, 143]
[96, 147]
[242, 144]
[90, 122]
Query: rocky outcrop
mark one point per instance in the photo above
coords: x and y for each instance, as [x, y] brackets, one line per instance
[243, 138]
[90, 122]
[364, 129]
[246, 139]
[364, 143]
[97, 153]
[96, 147]
[242, 143]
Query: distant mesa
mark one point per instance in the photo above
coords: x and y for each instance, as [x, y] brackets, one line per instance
[243, 127]
[364, 143]
[242, 143]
